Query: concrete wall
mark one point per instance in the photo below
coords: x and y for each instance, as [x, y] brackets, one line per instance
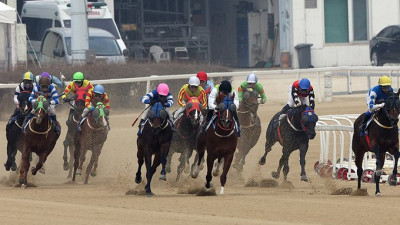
[308, 27]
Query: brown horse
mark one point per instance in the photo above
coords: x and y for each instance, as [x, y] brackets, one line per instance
[251, 127]
[92, 136]
[72, 122]
[155, 140]
[220, 141]
[40, 138]
[184, 138]
[383, 137]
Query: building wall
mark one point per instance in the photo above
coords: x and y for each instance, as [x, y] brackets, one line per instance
[308, 27]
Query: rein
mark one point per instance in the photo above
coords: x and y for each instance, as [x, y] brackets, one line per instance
[180, 131]
[91, 126]
[381, 125]
[39, 132]
[231, 128]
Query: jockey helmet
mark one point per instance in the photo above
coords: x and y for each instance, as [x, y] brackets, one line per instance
[194, 81]
[163, 89]
[27, 76]
[202, 76]
[251, 78]
[78, 76]
[225, 87]
[99, 89]
[44, 83]
[385, 81]
[304, 84]
[46, 74]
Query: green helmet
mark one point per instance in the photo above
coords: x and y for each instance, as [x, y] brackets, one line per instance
[78, 76]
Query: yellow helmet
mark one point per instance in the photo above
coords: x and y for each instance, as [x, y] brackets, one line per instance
[385, 81]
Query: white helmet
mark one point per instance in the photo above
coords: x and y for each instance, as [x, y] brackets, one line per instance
[252, 78]
[194, 81]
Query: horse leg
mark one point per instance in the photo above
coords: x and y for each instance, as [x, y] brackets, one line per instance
[39, 164]
[140, 158]
[65, 156]
[82, 159]
[200, 146]
[187, 163]
[286, 165]
[168, 165]
[227, 164]
[93, 159]
[380, 160]
[181, 166]
[11, 152]
[238, 158]
[303, 152]
[396, 159]
[358, 162]
[276, 174]
[163, 160]
[216, 167]
[210, 164]
[71, 160]
[24, 167]
[271, 140]
[149, 174]
[77, 154]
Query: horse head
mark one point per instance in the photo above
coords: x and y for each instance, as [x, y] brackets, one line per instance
[249, 101]
[25, 106]
[193, 110]
[308, 121]
[391, 109]
[225, 116]
[40, 108]
[100, 114]
[157, 117]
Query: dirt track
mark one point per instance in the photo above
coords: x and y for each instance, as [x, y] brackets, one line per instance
[103, 200]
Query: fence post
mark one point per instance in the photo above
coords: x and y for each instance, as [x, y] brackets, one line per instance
[369, 82]
[319, 87]
[349, 82]
[328, 86]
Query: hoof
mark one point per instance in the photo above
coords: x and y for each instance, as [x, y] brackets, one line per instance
[138, 180]
[149, 194]
[275, 174]
[24, 186]
[193, 175]
[163, 177]
[7, 166]
[216, 173]
[262, 161]
[14, 166]
[34, 171]
[187, 169]
[304, 178]
[93, 173]
[78, 172]
[66, 166]
[42, 170]
[208, 186]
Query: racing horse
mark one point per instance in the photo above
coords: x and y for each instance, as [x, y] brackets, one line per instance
[40, 138]
[155, 140]
[383, 136]
[250, 125]
[92, 136]
[13, 130]
[77, 108]
[220, 140]
[293, 132]
[184, 139]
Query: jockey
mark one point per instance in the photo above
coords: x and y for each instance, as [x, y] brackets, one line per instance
[377, 94]
[206, 84]
[26, 85]
[49, 91]
[160, 94]
[301, 92]
[53, 80]
[78, 83]
[192, 89]
[95, 95]
[224, 89]
[252, 82]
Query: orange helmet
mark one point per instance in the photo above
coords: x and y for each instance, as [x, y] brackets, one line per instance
[202, 76]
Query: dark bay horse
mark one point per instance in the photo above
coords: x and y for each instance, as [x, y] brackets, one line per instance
[77, 108]
[13, 131]
[251, 127]
[155, 140]
[220, 141]
[40, 138]
[184, 139]
[92, 137]
[383, 136]
[292, 132]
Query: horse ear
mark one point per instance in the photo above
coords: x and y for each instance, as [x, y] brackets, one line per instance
[221, 106]
[106, 111]
[46, 105]
[95, 113]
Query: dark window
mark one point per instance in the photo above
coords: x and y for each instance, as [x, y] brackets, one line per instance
[395, 33]
[386, 33]
[336, 21]
[105, 24]
[35, 27]
[57, 23]
[360, 20]
[103, 46]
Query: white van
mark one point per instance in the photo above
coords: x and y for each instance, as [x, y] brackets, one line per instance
[41, 15]
[56, 46]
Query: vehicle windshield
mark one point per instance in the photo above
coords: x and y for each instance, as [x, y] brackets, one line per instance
[104, 46]
[105, 24]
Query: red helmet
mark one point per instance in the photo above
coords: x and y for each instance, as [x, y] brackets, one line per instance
[202, 76]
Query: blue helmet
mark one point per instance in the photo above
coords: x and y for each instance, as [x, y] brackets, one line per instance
[304, 84]
[251, 78]
[99, 89]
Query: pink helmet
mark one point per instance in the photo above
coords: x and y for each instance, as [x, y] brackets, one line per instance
[163, 89]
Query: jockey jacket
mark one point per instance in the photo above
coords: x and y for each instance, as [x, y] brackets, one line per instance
[208, 87]
[20, 88]
[53, 80]
[72, 87]
[153, 96]
[89, 97]
[257, 88]
[296, 94]
[215, 98]
[376, 95]
[200, 92]
[50, 95]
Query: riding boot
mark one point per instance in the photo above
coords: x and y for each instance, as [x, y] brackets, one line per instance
[140, 127]
[284, 110]
[210, 113]
[237, 122]
[55, 124]
[363, 127]
[27, 118]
